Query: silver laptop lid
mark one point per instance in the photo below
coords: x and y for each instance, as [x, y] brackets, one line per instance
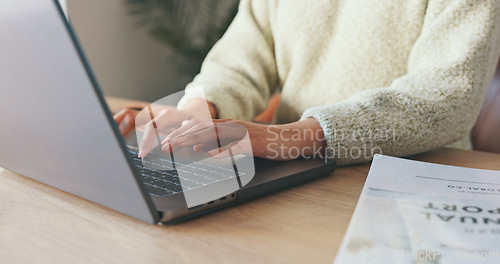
[55, 126]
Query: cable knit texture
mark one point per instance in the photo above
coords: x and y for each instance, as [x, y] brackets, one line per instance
[397, 77]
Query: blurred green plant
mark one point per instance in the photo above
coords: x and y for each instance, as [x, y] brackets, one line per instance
[188, 27]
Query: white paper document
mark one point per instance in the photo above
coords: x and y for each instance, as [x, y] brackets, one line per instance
[422, 213]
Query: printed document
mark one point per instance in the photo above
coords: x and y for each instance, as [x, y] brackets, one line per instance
[422, 213]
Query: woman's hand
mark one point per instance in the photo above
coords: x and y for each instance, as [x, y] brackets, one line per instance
[125, 119]
[159, 119]
[222, 138]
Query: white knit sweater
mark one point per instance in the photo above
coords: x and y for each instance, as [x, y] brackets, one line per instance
[397, 77]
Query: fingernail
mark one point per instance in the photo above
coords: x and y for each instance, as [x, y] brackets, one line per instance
[166, 148]
[180, 139]
[139, 154]
[213, 152]
[217, 156]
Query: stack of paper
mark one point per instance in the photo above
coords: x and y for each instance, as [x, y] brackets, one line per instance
[417, 212]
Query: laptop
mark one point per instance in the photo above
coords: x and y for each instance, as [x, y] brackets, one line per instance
[58, 130]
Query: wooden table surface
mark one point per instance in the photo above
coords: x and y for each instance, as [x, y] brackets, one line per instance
[305, 224]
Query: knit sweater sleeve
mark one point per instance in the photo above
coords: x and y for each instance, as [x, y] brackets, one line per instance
[239, 73]
[435, 103]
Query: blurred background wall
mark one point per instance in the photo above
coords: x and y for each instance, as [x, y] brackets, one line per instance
[130, 57]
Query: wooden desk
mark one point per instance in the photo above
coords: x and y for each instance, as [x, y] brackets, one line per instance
[306, 224]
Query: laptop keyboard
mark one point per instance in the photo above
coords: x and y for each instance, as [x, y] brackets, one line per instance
[166, 182]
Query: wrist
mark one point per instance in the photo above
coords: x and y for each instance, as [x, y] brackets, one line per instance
[312, 139]
[197, 106]
[302, 138]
